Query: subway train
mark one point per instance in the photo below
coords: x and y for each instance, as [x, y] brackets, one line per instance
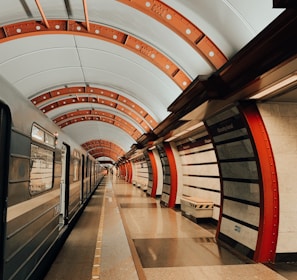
[46, 181]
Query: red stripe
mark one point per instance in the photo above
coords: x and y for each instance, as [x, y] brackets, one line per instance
[269, 202]
[130, 173]
[154, 173]
[173, 175]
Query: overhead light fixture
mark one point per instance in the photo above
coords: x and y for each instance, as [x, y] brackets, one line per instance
[152, 148]
[275, 87]
[175, 136]
[189, 129]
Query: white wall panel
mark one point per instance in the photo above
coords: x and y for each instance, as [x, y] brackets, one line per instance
[243, 212]
[280, 122]
[205, 169]
[240, 233]
[200, 170]
[205, 182]
[207, 156]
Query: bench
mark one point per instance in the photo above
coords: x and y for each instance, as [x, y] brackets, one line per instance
[196, 207]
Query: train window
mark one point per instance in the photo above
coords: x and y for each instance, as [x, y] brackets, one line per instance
[41, 171]
[42, 160]
[76, 165]
[37, 133]
[40, 135]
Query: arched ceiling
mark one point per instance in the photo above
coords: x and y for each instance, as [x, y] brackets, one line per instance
[106, 71]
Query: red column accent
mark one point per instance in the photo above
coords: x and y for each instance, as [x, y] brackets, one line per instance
[269, 202]
[122, 174]
[173, 174]
[130, 173]
[126, 170]
[154, 172]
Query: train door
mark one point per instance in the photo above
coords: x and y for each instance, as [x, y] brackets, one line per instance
[88, 176]
[64, 186]
[82, 178]
[5, 130]
[91, 176]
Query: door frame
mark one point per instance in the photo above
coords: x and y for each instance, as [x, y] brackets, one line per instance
[5, 135]
[64, 185]
[82, 178]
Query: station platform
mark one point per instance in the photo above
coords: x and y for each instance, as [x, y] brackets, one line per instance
[125, 234]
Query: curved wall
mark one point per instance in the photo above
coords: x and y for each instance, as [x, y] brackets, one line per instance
[200, 173]
[281, 123]
[249, 212]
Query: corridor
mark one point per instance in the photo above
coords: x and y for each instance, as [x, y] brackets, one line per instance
[125, 234]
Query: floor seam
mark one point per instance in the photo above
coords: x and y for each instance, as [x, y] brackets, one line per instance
[97, 256]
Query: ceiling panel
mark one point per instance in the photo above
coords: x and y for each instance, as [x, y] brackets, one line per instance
[154, 100]
[86, 131]
[49, 79]
[34, 44]
[40, 61]
[149, 63]
[230, 24]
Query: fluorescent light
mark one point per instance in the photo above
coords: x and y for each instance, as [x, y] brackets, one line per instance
[176, 136]
[275, 87]
[195, 126]
[170, 139]
[151, 148]
[189, 129]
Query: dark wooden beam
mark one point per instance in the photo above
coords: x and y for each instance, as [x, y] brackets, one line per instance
[271, 47]
[284, 4]
[274, 45]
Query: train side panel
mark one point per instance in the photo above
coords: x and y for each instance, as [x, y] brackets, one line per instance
[35, 227]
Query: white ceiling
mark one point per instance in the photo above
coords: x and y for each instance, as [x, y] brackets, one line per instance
[38, 63]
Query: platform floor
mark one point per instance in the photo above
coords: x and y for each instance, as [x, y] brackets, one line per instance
[125, 234]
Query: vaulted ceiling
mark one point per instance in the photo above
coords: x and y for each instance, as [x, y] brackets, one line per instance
[106, 71]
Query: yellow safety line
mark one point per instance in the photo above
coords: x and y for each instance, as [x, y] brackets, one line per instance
[97, 256]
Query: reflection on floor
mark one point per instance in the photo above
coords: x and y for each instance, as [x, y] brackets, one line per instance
[165, 245]
[288, 269]
[138, 205]
[125, 234]
[176, 252]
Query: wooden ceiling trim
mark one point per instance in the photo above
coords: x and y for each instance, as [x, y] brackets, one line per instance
[92, 144]
[128, 129]
[103, 117]
[98, 148]
[183, 27]
[111, 155]
[102, 32]
[96, 95]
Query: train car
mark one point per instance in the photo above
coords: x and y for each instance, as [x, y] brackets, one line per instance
[46, 181]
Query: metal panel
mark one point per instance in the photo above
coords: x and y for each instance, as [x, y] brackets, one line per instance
[20, 144]
[18, 192]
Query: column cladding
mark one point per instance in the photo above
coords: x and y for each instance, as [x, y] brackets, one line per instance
[249, 201]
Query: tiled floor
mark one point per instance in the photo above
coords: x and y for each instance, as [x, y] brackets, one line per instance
[75, 260]
[139, 239]
[166, 245]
